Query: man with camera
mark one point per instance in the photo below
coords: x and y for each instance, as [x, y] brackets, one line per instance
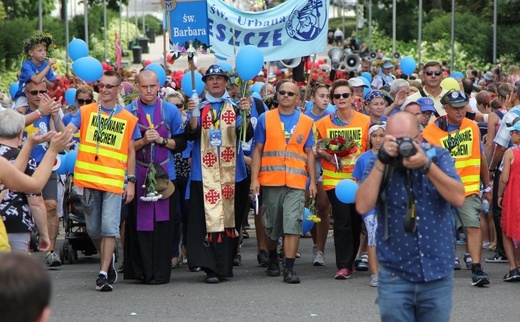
[418, 185]
[461, 138]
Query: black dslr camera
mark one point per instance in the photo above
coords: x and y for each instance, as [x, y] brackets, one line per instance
[405, 147]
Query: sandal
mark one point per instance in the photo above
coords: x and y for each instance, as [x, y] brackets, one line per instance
[245, 234]
[175, 263]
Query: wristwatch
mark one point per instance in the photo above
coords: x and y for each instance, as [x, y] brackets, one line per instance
[425, 168]
[132, 179]
[164, 142]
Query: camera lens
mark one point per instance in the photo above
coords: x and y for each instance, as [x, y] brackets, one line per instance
[405, 147]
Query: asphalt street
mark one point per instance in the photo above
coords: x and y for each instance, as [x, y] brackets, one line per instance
[252, 296]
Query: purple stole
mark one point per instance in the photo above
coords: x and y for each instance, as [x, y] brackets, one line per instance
[158, 210]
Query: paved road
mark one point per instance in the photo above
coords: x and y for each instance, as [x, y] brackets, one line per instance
[252, 296]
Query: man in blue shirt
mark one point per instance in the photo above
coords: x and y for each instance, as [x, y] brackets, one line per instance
[415, 230]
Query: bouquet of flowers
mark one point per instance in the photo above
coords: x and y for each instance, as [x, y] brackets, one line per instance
[344, 150]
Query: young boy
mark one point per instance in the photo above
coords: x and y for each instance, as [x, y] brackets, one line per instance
[35, 67]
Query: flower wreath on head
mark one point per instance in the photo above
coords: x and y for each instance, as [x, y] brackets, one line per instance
[379, 63]
[37, 38]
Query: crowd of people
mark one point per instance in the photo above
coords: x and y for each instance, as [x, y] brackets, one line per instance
[176, 177]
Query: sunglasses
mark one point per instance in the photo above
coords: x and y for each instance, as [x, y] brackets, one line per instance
[344, 95]
[82, 101]
[431, 72]
[108, 86]
[282, 93]
[36, 92]
[180, 105]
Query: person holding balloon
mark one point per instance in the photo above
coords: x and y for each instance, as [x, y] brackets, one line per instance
[218, 193]
[347, 123]
[283, 159]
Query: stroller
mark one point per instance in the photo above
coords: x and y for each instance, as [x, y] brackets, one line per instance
[76, 237]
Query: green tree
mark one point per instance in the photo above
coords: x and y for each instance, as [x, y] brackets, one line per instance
[27, 9]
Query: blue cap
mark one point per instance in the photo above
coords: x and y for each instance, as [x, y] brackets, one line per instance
[427, 104]
[515, 127]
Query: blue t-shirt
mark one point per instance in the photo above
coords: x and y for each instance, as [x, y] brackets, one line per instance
[288, 124]
[196, 164]
[317, 117]
[41, 126]
[361, 164]
[172, 117]
[28, 70]
[428, 253]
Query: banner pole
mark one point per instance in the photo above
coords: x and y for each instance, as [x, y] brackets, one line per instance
[309, 78]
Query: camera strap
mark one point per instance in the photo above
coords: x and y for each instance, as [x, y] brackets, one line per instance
[382, 201]
[410, 218]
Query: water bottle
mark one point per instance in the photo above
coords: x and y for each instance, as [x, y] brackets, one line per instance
[195, 97]
[485, 206]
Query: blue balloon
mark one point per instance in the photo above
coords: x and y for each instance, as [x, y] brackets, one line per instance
[159, 70]
[407, 65]
[60, 166]
[366, 89]
[220, 57]
[88, 69]
[13, 88]
[457, 75]
[306, 223]
[225, 65]
[70, 96]
[367, 75]
[70, 161]
[257, 87]
[346, 191]
[186, 84]
[249, 62]
[77, 49]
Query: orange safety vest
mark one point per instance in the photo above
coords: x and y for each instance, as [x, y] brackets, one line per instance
[466, 151]
[284, 163]
[357, 129]
[107, 173]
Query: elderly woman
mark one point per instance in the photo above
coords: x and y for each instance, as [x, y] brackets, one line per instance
[348, 124]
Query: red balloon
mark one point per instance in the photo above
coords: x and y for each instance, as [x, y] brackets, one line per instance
[321, 61]
[147, 62]
[308, 64]
[317, 65]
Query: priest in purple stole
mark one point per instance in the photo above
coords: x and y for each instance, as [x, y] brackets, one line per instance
[149, 224]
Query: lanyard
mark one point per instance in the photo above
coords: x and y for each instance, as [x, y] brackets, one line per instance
[215, 116]
[102, 126]
[336, 120]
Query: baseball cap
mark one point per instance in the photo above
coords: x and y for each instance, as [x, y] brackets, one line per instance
[163, 184]
[427, 104]
[455, 98]
[356, 82]
[387, 63]
[215, 70]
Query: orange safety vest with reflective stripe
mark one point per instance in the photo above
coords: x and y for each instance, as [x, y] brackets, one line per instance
[107, 173]
[357, 129]
[466, 151]
[284, 163]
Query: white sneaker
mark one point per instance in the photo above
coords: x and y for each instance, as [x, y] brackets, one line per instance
[318, 259]
[373, 280]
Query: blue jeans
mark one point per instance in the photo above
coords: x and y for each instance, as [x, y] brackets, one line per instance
[401, 300]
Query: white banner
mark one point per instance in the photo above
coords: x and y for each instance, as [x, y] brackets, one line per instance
[292, 29]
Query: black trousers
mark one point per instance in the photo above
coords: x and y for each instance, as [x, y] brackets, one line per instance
[347, 230]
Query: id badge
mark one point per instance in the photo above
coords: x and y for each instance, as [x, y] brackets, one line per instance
[215, 138]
